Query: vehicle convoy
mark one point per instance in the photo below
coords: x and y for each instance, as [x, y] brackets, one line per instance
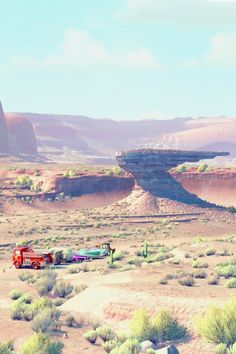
[26, 256]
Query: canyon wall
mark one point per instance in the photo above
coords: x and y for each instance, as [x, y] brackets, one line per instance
[217, 187]
[77, 186]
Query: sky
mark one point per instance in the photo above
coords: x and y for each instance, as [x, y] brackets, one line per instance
[121, 59]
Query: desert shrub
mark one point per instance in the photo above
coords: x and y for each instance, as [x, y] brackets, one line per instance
[141, 325]
[221, 348]
[165, 327]
[110, 345]
[7, 348]
[175, 261]
[63, 289]
[131, 346]
[202, 168]
[232, 349]
[41, 303]
[45, 320]
[24, 181]
[214, 280]
[227, 269]
[105, 333]
[224, 253]
[26, 276]
[199, 274]
[26, 298]
[44, 285]
[118, 255]
[198, 264]
[41, 343]
[15, 294]
[71, 321]
[136, 261]
[210, 252]
[230, 283]
[187, 255]
[163, 281]
[218, 324]
[187, 281]
[91, 336]
[17, 310]
[181, 168]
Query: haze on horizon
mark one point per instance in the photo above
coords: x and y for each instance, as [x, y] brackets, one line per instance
[121, 59]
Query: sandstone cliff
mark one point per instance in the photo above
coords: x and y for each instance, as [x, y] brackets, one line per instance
[4, 143]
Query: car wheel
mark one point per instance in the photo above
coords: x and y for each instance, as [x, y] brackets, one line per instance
[34, 265]
[17, 265]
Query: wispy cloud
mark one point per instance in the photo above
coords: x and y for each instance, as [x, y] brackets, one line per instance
[79, 50]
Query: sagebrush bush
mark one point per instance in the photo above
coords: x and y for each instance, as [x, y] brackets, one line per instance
[105, 333]
[91, 336]
[227, 269]
[131, 345]
[63, 289]
[221, 348]
[110, 345]
[42, 322]
[141, 325]
[230, 283]
[166, 327]
[199, 274]
[214, 280]
[198, 264]
[26, 276]
[218, 325]
[210, 252]
[7, 348]
[187, 281]
[15, 294]
[41, 343]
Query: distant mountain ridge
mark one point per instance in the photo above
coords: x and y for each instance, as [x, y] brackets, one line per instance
[72, 137]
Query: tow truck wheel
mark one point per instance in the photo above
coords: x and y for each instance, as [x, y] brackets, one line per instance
[34, 265]
[17, 265]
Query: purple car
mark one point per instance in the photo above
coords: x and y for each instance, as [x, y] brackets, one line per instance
[79, 258]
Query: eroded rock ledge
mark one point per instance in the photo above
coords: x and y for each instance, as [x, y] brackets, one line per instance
[150, 169]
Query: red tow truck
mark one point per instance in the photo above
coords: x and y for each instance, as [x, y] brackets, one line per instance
[25, 256]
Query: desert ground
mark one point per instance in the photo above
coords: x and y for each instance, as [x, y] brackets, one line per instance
[181, 242]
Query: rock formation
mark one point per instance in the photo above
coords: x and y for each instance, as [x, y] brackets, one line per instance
[21, 135]
[4, 143]
[17, 135]
[150, 169]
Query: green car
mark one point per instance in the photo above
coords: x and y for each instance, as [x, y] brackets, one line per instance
[93, 252]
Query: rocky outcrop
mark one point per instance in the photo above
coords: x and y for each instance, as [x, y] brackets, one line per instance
[150, 169]
[22, 136]
[77, 186]
[4, 143]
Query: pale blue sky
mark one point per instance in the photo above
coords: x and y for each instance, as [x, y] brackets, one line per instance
[119, 58]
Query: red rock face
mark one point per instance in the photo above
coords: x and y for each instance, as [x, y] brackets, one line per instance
[4, 144]
[22, 136]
